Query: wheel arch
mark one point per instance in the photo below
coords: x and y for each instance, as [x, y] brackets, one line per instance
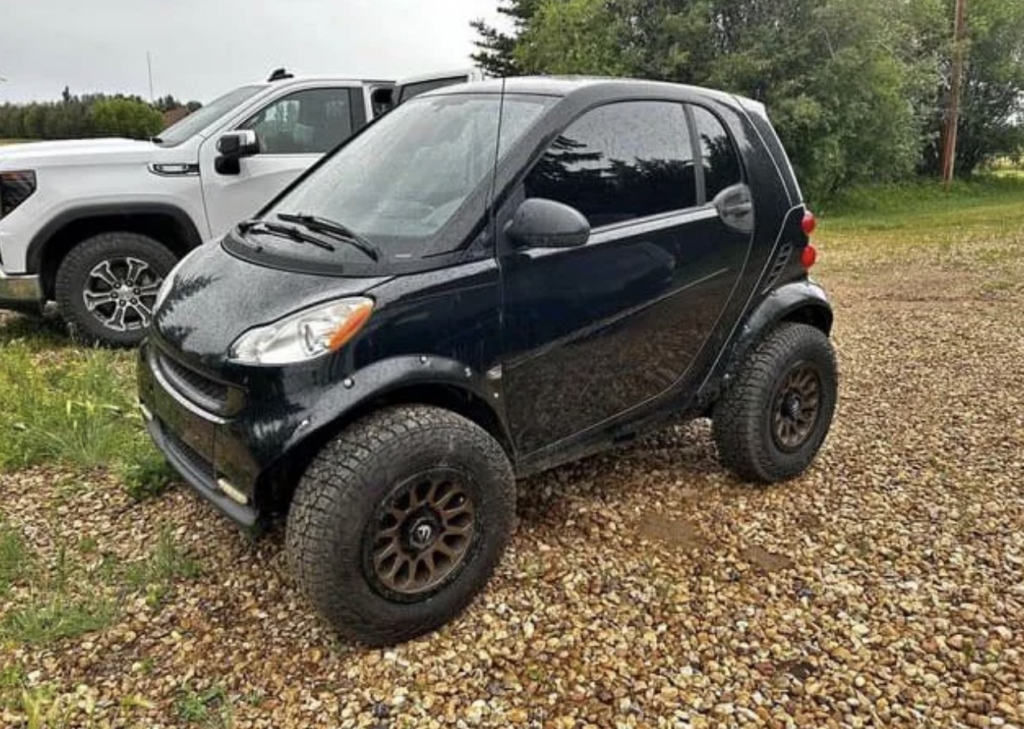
[166, 223]
[277, 483]
[799, 301]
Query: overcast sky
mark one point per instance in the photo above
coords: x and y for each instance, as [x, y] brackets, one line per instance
[202, 48]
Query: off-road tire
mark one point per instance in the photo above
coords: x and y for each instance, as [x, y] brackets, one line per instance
[74, 274]
[331, 521]
[743, 418]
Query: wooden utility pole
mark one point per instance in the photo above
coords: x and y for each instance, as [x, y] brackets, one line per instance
[955, 91]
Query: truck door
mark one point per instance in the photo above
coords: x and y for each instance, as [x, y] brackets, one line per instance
[294, 131]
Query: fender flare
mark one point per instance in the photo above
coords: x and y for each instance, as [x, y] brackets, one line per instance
[39, 242]
[803, 301]
[351, 396]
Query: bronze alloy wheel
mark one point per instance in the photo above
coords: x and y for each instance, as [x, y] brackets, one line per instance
[422, 534]
[796, 407]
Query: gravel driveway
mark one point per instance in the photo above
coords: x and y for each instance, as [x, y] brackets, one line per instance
[646, 587]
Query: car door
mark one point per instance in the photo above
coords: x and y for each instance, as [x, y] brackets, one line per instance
[294, 131]
[595, 331]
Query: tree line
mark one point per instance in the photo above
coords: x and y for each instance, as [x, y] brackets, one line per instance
[88, 115]
[857, 88]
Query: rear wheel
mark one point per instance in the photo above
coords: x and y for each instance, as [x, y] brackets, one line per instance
[400, 521]
[107, 286]
[771, 423]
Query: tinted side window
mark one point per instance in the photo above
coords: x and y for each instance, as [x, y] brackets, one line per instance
[718, 155]
[306, 122]
[620, 162]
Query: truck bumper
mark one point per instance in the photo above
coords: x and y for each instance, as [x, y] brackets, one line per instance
[21, 292]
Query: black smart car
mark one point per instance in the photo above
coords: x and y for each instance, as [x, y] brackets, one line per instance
[491, 280]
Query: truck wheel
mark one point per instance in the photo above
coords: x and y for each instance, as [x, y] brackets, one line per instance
[107, 286]
[399, 522]
[770, 424]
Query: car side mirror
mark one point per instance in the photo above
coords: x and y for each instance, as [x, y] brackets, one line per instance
[232, 147]
[541, 223]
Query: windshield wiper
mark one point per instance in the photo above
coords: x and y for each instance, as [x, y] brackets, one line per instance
[283, 231]
[333, 229]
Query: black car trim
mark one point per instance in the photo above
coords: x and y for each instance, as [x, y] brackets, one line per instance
[204, 483]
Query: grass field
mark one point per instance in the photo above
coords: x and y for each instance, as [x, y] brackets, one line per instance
[882, 588]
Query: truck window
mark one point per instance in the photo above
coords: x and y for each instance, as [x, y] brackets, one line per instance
[313, 121]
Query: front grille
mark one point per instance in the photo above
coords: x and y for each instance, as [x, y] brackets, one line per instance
[208, 394]
[188, 457]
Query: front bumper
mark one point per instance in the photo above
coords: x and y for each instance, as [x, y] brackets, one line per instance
[21, 292]
[211, 453]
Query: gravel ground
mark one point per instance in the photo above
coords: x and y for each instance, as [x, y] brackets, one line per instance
[644, 587]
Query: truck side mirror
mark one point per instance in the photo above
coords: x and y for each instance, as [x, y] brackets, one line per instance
[232, 147]
[541, 223]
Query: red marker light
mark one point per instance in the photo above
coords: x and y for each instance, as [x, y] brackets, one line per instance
[809, 256]
[809, 223]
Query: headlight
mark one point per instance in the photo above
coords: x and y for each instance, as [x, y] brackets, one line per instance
[304, 335]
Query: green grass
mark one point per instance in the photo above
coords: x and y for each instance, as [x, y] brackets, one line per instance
[72, 406]
[78, 591]
[16, 561]
[926, 204]
[207, 708]
[976, 229]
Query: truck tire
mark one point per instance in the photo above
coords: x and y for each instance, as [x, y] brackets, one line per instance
[107, 285]
[772, 421]
[400, 521]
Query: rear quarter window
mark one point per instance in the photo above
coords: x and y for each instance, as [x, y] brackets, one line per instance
[719, 158]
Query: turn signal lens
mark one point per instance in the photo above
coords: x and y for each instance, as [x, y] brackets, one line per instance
[809, 256]
[809, 223]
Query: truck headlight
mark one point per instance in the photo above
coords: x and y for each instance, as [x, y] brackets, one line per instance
[303, 336]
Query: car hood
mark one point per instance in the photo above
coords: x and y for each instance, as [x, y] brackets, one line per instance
[214, 297]
[76, 151]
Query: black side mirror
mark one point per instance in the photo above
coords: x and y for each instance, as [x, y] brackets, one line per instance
[232, 147]
[540, 223]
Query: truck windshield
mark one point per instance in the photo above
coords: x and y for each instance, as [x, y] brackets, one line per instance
[413, 183]
[203, 117]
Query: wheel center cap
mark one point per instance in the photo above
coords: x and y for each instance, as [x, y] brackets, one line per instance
[793, 406]
[422, 533]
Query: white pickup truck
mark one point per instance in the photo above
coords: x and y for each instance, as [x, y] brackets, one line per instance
[96, 225]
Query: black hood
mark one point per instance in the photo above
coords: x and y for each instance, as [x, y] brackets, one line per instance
[215, 297]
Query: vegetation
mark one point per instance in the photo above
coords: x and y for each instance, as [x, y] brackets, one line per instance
[91, 115]
[68, 406]
[856, 88]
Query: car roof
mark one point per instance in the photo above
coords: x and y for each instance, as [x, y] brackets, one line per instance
[595, 86]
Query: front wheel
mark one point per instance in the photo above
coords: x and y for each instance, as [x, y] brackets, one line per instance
[400, 521]
[108, 284]
[771, 423]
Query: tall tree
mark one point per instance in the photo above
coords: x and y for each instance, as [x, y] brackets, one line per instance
[496, 48]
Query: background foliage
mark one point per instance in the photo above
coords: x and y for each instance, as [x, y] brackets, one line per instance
[90, 115]
[856, 88]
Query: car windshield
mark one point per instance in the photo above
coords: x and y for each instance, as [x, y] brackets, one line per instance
[411, 183]
[203, 117]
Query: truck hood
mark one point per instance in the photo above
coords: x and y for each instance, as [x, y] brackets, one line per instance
[214, 297]
[70, 152]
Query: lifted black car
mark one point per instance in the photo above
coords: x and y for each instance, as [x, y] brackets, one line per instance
[491, 280]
